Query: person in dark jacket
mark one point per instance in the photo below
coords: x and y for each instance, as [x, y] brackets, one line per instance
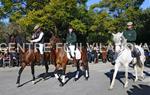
[130, 33]
[131, 36]
[71, 41]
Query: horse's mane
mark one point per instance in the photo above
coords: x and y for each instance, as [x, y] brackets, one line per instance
[123, 40]
[119, 38]
[56, 39]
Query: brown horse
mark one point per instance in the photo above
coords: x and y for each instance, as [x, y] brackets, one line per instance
[30, 57]
[104, 54]
[61, 60]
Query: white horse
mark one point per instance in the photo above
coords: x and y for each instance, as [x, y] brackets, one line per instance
[125, 57]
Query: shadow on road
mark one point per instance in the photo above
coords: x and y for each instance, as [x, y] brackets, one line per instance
[119, 76]
[24, 83]
[71, 75]
[49, 75]
[147, 64]
[46, 76]
[146, 73]
[39, 78]
[139, 90]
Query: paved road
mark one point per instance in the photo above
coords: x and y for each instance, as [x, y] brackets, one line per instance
[97, 84]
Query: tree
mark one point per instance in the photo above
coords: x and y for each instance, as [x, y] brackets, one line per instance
[3, 31]
[144, 31]
[95, 23]
[121, 11]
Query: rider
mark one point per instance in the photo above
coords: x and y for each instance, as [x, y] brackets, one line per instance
[13, 55]
[130, 33]
[38, 37]
[71, 41]
[131, 36]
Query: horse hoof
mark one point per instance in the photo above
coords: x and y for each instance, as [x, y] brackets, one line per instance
[75, 79]
[86, 78]
[33, 82]
[110, 88]
[135, 80]
[18, 85]
[17, 82]
[125, 86]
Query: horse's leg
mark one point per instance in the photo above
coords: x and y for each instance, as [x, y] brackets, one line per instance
[142, 68]
[142, 71]
[19, 73]
[86, 69]
[126, 76]
[56, 71]
[117, 65]
[78, 70]
[32, 71]
[63, 75]
[46, 68]
[136, 75]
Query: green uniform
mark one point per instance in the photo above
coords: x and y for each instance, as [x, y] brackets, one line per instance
[71, 38]
[130, 35]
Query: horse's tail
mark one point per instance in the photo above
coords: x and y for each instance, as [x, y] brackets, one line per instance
[139, 62]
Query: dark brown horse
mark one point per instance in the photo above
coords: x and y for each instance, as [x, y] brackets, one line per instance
[31, 57]
[61, 60]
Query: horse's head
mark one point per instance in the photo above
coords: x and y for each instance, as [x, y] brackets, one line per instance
[118, 40]
[54, 40]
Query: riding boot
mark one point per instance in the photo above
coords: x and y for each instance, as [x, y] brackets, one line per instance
[75, 55]
[70, 54]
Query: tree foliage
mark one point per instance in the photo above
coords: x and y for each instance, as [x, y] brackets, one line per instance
[96, 23]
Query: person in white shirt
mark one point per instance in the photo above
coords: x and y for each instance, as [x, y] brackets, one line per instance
[38, 37]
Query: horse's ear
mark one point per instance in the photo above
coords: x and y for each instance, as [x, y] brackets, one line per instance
[52, 33]
[113, 34]
[121, 33]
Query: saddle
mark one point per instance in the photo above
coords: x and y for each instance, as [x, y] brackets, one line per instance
[77, 54]
[136, 52]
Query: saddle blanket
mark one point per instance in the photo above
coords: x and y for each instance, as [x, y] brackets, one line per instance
[76, 52]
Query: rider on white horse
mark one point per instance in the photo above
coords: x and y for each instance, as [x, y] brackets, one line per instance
[125, 56]
[71, 41]
[130, 35]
